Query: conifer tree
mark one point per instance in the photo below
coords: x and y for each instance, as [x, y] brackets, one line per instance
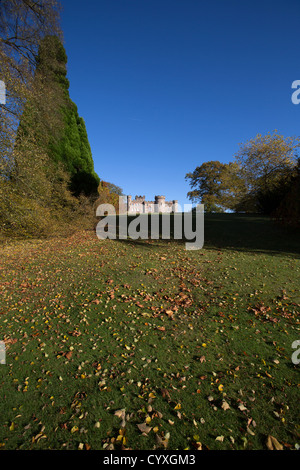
[57, 125]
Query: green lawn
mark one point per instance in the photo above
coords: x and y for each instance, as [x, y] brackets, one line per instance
[144, 345]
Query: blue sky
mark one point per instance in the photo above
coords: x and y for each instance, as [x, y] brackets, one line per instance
[165, 85]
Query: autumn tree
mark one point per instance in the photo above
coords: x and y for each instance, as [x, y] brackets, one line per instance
[23, 24]
[23, 185]
[266, 165]
[288, 209]
[107, 196]
[115, 189]
[216, 185]
[256, 181]
[35, 197]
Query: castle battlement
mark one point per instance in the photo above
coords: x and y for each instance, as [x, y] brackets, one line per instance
[140, 205]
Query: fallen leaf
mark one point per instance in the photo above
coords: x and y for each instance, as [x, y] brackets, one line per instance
[161, 328]
[121, 414]
[273, 444]
[170, 313]
[225, 405]
[144, 428]
[249, 431]
[161, 441]
[198, 445]
[242, 407]
[165, 393]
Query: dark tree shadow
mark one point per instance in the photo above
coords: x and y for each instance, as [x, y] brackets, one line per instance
[254, 233]
[237, 232]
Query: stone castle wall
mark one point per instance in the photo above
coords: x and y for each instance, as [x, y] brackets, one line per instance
[140, 205]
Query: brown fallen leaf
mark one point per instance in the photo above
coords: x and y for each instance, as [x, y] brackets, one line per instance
[165, 393]
[273, 444]
[225, 405]
[121, 414]
[198, 445]
[242, 407]
[144, 428]
[162, 442]
[170, 313]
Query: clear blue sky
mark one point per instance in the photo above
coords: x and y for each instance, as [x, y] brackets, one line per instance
[165, 85]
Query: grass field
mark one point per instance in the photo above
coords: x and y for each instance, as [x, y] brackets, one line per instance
[144, 345]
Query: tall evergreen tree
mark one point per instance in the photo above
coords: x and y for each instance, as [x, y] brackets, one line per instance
[58, 126]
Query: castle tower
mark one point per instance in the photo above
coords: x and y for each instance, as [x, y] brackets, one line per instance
[129, 198]
[160, 203]
[140, 205]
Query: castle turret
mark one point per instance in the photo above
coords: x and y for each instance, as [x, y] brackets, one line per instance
[139, 204]
[160, 203]
[129, 198]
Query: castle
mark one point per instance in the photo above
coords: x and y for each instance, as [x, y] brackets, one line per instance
[146, 207]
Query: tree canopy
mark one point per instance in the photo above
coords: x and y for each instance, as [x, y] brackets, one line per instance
[45, 157]
[57, 124]
[216, 185]
[256, 181]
